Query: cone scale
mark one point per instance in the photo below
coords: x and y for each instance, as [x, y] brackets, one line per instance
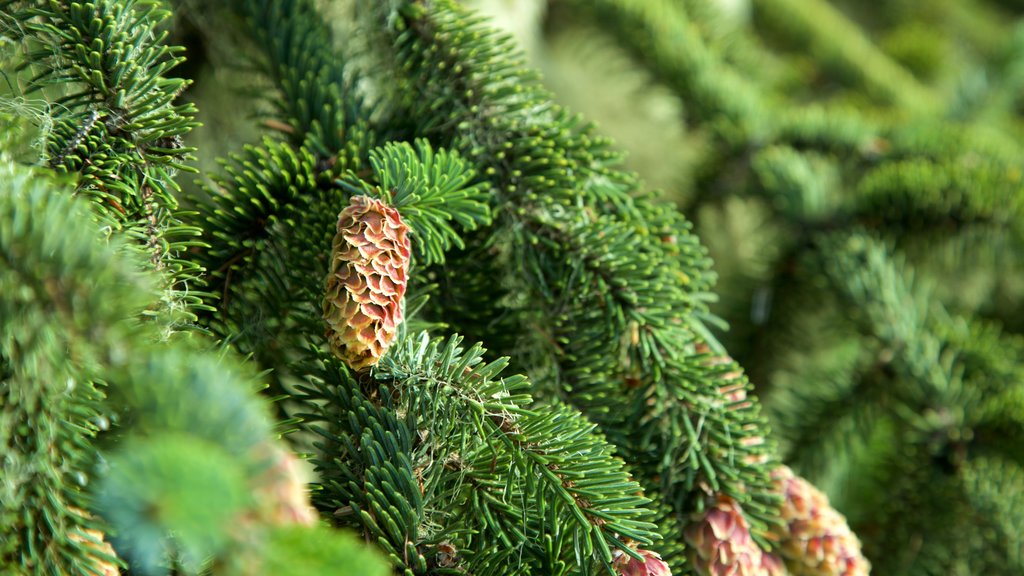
[721, 545]
[816, 540]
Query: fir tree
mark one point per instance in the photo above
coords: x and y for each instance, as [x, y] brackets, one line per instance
[497, 350]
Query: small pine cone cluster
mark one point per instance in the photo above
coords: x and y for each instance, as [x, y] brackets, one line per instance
[366, 282]
[816, 541]
[651, 565]
[721, 545]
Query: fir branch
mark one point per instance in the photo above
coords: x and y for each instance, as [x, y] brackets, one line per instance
[269, 219]
[820, 29]
[672, 47]
[806, 417]
[112, 52]
[49, 313]
[191, 432]
[429, 189]
[896, 311]
[842, 130]
[579, 269]
[245, 205]
[280, 191]
[117, 126]
[726, 449]
[920, 192]
[994, 488]
[942, 392]
[317, 97]
[521, 155]
[805, 187]
[469, 457]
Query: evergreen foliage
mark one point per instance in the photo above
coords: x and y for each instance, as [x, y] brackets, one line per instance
[116, 127]
[116, 427]
[150, 448]
[615, 283]
[862, 204]
[559, 396]
[429, 436]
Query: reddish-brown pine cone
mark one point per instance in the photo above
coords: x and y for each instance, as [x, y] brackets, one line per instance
[816, 541]
[772, 565]
[721, 545]
[366, 282]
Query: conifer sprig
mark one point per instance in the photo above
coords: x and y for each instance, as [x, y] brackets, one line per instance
[384, 462]
[430, 190]
[316, 94]
[50, 412]
[940, 420]
[821, 29]
[184, 436]
[469, 463]
[103, 66]
[567, 219]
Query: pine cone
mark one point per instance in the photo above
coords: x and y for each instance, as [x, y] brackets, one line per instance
[816, 540]
[366, 282]
[772, 565]
[720, 544]
[651, 565]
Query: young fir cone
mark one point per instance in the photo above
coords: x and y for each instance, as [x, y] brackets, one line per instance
[281, 496]
[721, 545]
[651, 565]
[366, 282]
[816, 540]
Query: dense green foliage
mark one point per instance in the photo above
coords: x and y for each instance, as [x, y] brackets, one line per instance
[560, 396]
[856, 175]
